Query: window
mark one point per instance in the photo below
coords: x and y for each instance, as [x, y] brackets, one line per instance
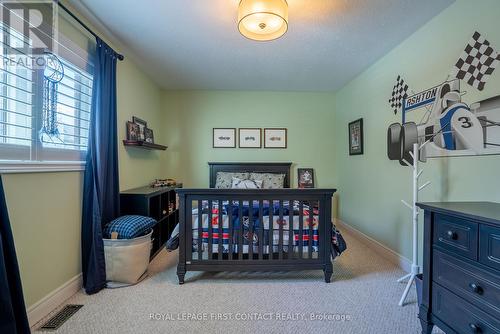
[74, 94]
[22, 106]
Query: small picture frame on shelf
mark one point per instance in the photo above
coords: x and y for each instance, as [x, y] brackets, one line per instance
[224, 138]
[142, 125]
[133, 131]
[356, 137]
[250, 137]
[275, 138]
[305, 177]
[148, 136]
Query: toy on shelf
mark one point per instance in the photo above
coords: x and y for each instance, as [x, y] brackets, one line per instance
[163, 183]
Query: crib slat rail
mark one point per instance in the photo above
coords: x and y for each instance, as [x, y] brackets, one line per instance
[261, 229]
[220, 230]
[232, 230]
[270, 235]
[291, 239]
[301, 229]
[280, 237]
[200, 231]
[240, 230]
[210, 229]
[311, 224]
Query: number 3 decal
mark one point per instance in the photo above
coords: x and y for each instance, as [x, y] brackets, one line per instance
[466, 123]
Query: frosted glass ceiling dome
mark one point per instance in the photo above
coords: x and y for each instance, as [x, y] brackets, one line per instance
[263, 20]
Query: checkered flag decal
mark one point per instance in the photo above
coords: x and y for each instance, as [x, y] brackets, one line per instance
[399, 92]
[476, 62]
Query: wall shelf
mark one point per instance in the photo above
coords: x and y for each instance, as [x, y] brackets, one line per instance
[144, 145]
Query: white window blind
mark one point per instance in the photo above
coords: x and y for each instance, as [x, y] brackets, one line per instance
[16, 99]
[22, 104]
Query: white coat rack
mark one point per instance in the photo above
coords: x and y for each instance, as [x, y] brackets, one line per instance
[415, 269]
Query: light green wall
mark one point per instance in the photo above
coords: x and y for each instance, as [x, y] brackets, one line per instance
[45, 213]
[371, 186]
[138, 96]
[45, 208]
[190, 117]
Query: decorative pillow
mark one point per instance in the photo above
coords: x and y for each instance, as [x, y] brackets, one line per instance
[246, 184]
[270, 180]
[224, 180]
[129, 227]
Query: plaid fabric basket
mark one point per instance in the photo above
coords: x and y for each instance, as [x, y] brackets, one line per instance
[129, 227]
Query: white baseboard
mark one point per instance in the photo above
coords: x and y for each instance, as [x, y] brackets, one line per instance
[53, 300]
[394, 257]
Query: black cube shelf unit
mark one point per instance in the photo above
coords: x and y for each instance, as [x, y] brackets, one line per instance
[157, 203]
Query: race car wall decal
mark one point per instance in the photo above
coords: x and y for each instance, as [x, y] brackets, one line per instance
[438, 120]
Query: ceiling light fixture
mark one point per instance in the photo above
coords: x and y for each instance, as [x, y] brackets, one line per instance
[263, 20]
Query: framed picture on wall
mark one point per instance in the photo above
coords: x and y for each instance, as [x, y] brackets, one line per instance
[142, 125]
[250, 137]
[148, 135]
[305, 177]
[224, 137]
[356, 137]
[132, 131]
[275, 138]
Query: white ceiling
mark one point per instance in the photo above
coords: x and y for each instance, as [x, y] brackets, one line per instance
[195, 44]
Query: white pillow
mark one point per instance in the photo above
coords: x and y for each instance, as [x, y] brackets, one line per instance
[246, 184]
[223, 179]
[269, 180]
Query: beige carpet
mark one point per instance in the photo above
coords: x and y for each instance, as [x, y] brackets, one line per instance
[362, 298]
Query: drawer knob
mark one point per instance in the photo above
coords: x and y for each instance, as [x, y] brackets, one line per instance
[476, 288]
[475, 328]
[452, 235]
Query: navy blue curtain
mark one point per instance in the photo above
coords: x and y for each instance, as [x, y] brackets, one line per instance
[101, 201]
[13, 319]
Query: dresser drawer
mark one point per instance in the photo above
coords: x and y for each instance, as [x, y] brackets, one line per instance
[478, 286]
[460, 315]
[457, 235]
[489, 246]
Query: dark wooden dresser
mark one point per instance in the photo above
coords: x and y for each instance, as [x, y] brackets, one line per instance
[461, 288]
[158, 203]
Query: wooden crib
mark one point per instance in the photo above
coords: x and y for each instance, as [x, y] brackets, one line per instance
[225, 229]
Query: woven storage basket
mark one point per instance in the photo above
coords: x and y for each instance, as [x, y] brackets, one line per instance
[127, 259]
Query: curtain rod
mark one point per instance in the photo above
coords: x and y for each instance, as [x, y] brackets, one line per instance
[119, 56]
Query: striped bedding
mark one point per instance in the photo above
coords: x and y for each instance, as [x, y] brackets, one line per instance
[253, 233]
